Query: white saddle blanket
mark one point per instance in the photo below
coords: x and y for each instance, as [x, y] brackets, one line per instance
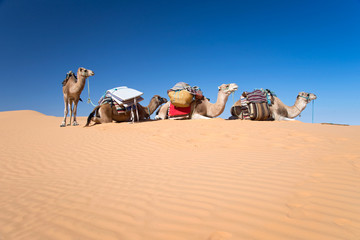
[124, 95]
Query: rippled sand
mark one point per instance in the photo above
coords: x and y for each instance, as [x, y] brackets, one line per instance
[178, 180]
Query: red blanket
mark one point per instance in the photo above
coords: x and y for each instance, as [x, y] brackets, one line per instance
[179, 111]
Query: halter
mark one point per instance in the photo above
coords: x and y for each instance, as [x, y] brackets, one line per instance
[224, 89]
[307, 98]
[307, 101]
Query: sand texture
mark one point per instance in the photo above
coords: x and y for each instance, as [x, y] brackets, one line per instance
[178, 180]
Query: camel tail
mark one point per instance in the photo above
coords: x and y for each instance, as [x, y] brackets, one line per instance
[91, 115]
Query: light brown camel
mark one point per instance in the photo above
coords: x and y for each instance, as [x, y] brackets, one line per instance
[107, 113]
[203, 109]
[72, 88]
[279, 111]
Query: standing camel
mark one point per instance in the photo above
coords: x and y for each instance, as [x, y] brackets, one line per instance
[72, 88]
[280, 111]
[203, 109]
[106, 113]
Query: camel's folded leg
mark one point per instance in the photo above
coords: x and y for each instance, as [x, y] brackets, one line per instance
[198, 116]
[285, 119]
[105, 115]
[163, 111]
[98, 120]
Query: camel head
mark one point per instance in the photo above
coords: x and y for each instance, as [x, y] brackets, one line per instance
[228, 88]
[159, 100]
[85, 72]
[307, 97]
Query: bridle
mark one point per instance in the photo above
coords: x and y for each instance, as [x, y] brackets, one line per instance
[306, 98]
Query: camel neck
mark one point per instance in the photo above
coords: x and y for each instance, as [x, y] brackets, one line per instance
[217, 108]
[80, 84]
[150, 108]
[297, 108]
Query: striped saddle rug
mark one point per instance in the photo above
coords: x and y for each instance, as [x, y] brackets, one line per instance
[254, 105]
[119, 107]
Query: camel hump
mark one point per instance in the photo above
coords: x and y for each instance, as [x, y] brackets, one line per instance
[68, 76]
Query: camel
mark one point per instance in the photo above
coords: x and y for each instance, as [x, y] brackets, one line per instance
[279, 111]
[203, 109]
[72, 88]
[107, 113]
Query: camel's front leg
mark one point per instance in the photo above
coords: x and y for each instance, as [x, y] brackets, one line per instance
[163, 111]
[71, 111]
[66, 102]
[75, 109]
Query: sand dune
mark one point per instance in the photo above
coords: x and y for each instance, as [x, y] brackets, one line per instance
[178, 180]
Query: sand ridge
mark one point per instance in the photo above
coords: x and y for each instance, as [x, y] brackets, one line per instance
[193, 180]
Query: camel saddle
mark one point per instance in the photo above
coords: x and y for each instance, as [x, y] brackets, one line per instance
[258, 104]
[254, 105]
[182, 94]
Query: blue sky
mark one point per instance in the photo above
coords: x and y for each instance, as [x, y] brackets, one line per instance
[286, 46]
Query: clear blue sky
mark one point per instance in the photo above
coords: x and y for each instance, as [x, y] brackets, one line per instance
[286, 46]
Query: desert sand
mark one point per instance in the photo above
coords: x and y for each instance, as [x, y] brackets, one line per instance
[178, 180]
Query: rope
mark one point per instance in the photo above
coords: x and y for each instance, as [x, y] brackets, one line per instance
[149, 111]
[312, 116]
[89, 100]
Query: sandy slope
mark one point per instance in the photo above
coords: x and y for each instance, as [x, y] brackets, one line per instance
[171, 180]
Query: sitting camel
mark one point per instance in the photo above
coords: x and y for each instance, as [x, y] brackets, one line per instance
[107, 113]
[72, 88]
[203, 109]
[279, 111]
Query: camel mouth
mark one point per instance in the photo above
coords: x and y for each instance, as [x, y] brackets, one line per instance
[234, 88]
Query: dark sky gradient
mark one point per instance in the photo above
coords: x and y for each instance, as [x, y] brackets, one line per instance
[286, 46]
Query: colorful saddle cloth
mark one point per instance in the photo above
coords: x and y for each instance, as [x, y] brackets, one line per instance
[119, 107]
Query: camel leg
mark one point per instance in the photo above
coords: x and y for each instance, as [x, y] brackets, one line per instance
[75, 109]
[163, 111]
[66, 102]
[198, 116]
[71, 111]
[285, 119]
[105, 115]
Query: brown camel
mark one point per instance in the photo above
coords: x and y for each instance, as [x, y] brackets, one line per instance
[72, 88]
[203, 109]
[106, 113]
[280, 111]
